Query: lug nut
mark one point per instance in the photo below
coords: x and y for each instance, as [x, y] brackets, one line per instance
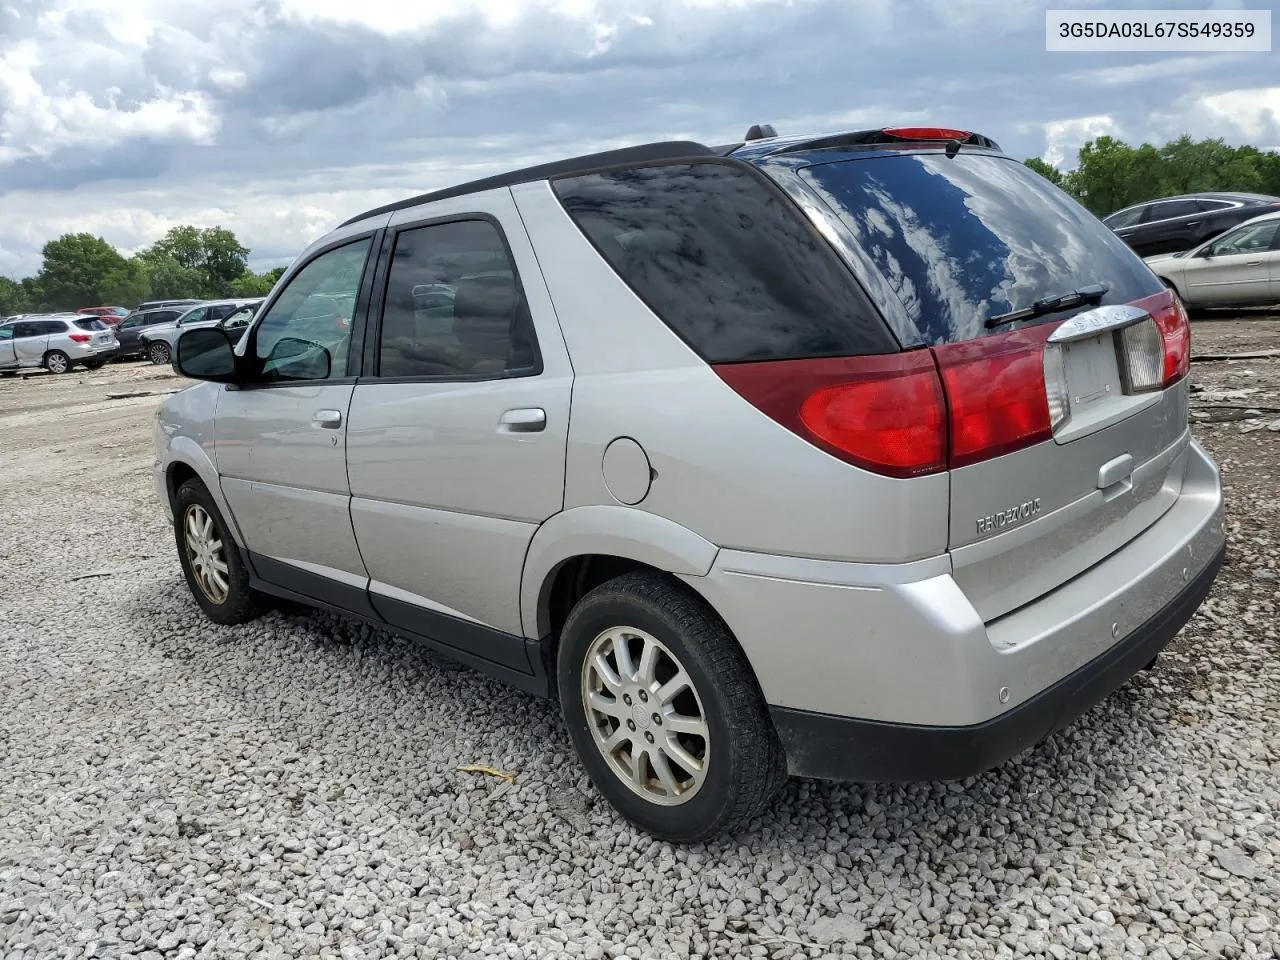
[626, 698]
[644, 696]
[648, 736]
[631, 725]
[657, 719]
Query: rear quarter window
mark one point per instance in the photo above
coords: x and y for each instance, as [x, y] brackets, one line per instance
[961, 239]
[90, 324]
[726, 261]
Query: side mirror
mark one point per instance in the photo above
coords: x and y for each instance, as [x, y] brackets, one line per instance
[1205, 254]
[295, 359]
[206, 354]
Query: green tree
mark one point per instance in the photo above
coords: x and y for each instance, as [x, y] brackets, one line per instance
[1046, 170]
[170, 280]
[252, 284]
[14, 298]
[213, 254]
[128, 284]
[73, 270]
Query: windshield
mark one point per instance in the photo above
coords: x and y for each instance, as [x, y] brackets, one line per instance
[966, 238]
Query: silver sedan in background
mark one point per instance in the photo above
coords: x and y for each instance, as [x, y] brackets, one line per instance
[1239, 268]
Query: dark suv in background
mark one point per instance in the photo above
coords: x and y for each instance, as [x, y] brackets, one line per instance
[1180, 223]
[129, 330]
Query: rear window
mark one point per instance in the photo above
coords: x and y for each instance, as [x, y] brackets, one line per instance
[966, 238]
[90, 324]
[726, 261]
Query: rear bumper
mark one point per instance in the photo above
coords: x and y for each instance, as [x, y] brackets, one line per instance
[842, 748]
[864, 666]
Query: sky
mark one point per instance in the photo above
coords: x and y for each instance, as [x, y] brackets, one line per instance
[278, 119]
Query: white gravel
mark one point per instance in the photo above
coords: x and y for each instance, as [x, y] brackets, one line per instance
[173, 789]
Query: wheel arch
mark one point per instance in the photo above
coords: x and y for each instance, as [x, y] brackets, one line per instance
[187, 461]
[585, 546]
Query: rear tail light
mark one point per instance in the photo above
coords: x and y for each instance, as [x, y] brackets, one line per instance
[925, 411]
[884, 413]
[1175, 331]
[995, 389]
[81, 337]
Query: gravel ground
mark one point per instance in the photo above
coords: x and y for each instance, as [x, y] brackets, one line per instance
[176, 789]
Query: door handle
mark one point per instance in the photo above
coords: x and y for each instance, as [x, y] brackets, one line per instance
[1192, 223]
[327, 419]
[523, 420]
[1253, 263]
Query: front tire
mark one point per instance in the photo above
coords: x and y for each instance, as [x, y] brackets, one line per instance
[664, 710]
[211, 562]
[158, 353]
[55, 361]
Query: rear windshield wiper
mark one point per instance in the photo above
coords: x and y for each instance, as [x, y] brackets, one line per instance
[1091, 293]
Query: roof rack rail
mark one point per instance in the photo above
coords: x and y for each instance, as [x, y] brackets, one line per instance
[887, 135]
[645, 153]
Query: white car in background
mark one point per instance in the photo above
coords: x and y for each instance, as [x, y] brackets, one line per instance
[1238, 268]
[56, 341]
[158, 341]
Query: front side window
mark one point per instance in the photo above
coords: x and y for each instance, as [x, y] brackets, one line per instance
[1125, 218]
[454, 306]
[726, 262]
[306, 333]
[6, 333]
[1170, 209]
[193, 316]
[1251, 238]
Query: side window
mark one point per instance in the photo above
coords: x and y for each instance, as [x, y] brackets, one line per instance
[306, 333]
[1212, 205]
[52, 327]
[1169, 209]
[1125, 218]
[28, 329]
[6, 333]
[129, 323]
[195, 316]
[454, 306]
[163, 316]
[726, 262]
[1251, 239]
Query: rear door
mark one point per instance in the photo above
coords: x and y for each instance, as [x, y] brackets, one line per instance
[967, 239]
[1172, 225]
[456, 446]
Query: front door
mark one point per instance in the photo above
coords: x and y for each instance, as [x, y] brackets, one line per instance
[1237, 269]
[8, 358]
[456, 447]
[281, 439]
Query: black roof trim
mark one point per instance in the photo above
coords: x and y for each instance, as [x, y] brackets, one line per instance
[645, 153]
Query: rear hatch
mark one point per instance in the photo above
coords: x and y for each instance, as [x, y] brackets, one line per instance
[100, 334]
[1061, 356]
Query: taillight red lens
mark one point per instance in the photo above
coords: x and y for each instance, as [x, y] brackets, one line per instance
[884, 413]
[81, 337]
[996, 394]
[1175, 329]
[927, 133]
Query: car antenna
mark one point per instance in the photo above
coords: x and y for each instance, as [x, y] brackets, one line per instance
[761, 131]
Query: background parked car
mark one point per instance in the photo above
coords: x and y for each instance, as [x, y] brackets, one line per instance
[108, 315]
[57, 342]
[1239, 268]
[1180, 223]
[151, 304]
[129, 330]
[158, 341]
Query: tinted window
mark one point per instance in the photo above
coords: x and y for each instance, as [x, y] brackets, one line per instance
[28, 329]
[52, 326]
[1169, 209]
[306, 333]
[966, 238]
[90, 324]
[1251, 238]
[1212, 204]
[1125, 218]
[454, 306]
[162, 316]
[726, 261]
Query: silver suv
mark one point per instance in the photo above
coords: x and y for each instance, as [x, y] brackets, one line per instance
[859, 457]
[56, 341]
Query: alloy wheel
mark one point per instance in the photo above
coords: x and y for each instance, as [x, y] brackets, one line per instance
[205, 553]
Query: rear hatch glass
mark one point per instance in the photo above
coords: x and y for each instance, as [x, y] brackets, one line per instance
[90, 324]
[965, 239]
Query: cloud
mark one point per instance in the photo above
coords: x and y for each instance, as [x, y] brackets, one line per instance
[279, 118]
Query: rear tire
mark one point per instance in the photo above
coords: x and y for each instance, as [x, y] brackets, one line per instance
[55, 361]
[644, 665]
[216, 573]
[158, 353]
